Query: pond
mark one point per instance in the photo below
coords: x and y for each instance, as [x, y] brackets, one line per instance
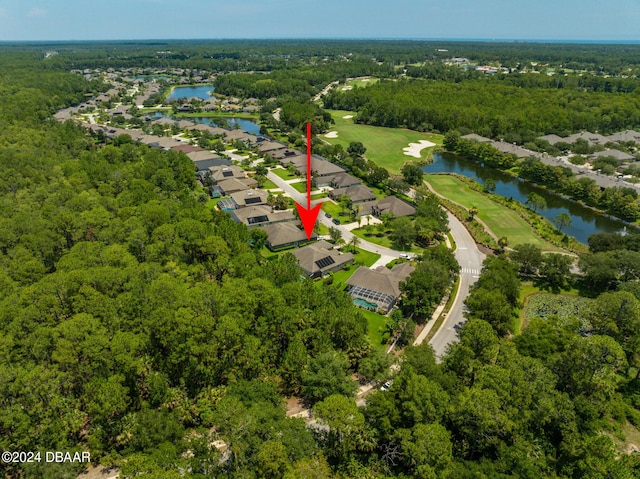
[202, 91]
[584, 221]
[245, 124]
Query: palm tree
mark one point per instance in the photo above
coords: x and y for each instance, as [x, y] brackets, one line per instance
[473, 211]
[355, 242]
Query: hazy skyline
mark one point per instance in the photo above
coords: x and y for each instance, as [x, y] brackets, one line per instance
[22, 20]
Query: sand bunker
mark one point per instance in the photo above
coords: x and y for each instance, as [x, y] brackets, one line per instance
[414, 149]
[346, 117]
[331, 134]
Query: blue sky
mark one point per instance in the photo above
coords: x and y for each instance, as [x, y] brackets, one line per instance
[150, 19]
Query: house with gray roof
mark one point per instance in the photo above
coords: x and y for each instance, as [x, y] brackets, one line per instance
[617, 154]
[252, 197]
[235, 185]
[390, 205]
[205, 165]
[591, 138]
[551, 139]
[286, 235]
[357, 193]
[341, 180]
[219, 173]
[202, 155]
[318, 259]
[378, 288]
[512, 149]
[261, 215]
[625, 136]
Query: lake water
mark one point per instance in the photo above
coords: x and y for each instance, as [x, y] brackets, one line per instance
[584, 221]
[245, 124]
[202, 92]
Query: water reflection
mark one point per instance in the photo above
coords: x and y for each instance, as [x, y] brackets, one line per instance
[584, 221]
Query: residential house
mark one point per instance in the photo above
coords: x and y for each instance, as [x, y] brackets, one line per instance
[341, 180]
[617, 154]
[234, 185]
[591, 138]
[205, 165]
[285, 235]
[390, 205]
[318, 259]
[378, 288]
[261, 215]
[219, 173]
[244, 198]
[357, 193]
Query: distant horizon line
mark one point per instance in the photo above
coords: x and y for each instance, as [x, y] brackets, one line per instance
[407, 39]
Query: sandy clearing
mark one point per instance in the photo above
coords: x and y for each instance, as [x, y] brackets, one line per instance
[347, 117]
[414, 149]
[331, 134]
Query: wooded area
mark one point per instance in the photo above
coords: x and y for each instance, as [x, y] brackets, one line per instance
[140, 325]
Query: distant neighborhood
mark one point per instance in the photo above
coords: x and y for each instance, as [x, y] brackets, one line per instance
[228, 175]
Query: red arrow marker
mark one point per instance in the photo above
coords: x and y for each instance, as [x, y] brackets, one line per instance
[308, 215]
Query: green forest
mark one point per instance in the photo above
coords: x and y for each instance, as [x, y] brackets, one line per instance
[146, 328]
[489, 107]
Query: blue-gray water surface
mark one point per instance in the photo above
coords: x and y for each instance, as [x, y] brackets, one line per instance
[203, 92]
[584, 221]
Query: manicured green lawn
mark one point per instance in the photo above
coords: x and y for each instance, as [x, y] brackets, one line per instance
[269, 185]
[384, 145]
[500, 219]
[382, 241]
[375, 327]
[334, 209]
[301, 186]
[282, 173]
[319, 196]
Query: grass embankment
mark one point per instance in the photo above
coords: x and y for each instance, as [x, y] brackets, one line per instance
[384, 145]
[502, 221]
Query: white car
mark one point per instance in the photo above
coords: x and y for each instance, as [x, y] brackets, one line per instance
[386, 386]
[405, 256]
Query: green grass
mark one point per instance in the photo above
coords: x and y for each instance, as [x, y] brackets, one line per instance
[362, 258]
[382, 240]
[499, 219]
[334, 209]
[211, 204]
[375, 328]
[319, 196]
[362, 83]
[282, 173]
[269, 185]
[384, 145]
[301, 186]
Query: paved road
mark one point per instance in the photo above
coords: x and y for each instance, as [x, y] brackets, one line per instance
[470, 259]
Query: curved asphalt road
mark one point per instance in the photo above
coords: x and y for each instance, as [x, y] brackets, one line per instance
[470, 259]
